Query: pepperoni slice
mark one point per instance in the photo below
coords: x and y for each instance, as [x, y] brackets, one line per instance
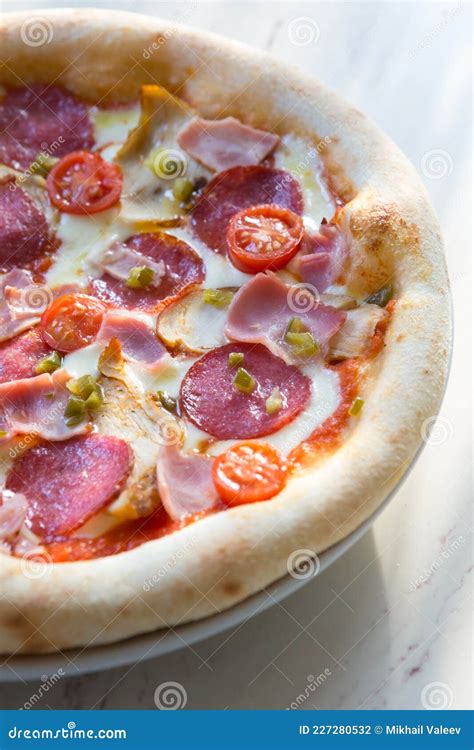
[211, 401]
[235, 189]
[68, 482]
[24, 231]
[19, 356]
[41, 118]
[183, 268]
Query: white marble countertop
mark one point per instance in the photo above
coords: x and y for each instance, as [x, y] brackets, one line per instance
[388, 625]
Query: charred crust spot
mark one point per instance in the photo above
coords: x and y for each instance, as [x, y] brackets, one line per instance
[232, 589]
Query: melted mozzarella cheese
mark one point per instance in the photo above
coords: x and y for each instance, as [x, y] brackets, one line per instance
[219, 271]
[113, 125]
[81, 236]
[302, 160]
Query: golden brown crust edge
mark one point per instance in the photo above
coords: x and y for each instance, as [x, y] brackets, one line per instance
[217, 562]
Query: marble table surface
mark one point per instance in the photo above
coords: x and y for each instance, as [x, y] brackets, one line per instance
[388, 625]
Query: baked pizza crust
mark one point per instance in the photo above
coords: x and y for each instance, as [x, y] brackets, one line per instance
[224, 558]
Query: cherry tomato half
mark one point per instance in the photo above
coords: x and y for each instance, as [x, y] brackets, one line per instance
[84, 183]
[249, 472]
[72, 321]
[263, 237]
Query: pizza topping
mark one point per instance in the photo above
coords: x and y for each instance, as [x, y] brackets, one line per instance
[140, 277]
[210, 399]
[220, 298]
[72, 322]
[226, 143]
[264, 310]
[67, 483]
[84, 183]
[49, 363]
[194, 323]
[36, 405]
[235, 358]
[382, 297]
[38, 119]
[138, 342]
[87, 398]
[20, 356]
[355, 336]
[356, 406]
[322, 256]
[168, 402]
[236, 189]
[21, 303]
[185, 483]
[243, 381]
[183, 268]
[263, 237]
[249, 473]
[274, 402]
[126, 264]
[24, 231]
[159, 178]
[13, 509]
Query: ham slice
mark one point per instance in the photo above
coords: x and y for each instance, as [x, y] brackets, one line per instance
[262, 309]
[138, 341]
[19, 310]
[322, 256]
[13, 509]
[119, 260]
[36, 406]
[185, 482]
[222, 144]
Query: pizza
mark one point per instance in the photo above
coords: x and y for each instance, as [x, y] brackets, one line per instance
[224, 325]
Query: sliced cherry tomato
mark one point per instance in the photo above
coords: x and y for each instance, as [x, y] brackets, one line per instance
[84, 183]
[249, 472]
[263, 237]
[72, 321]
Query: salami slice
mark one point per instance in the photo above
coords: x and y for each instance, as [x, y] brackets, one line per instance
[19, 356]
[67, 483]
[182, 268]
[42, 119]
[24, 231]
[238, 188]
[211, 401]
